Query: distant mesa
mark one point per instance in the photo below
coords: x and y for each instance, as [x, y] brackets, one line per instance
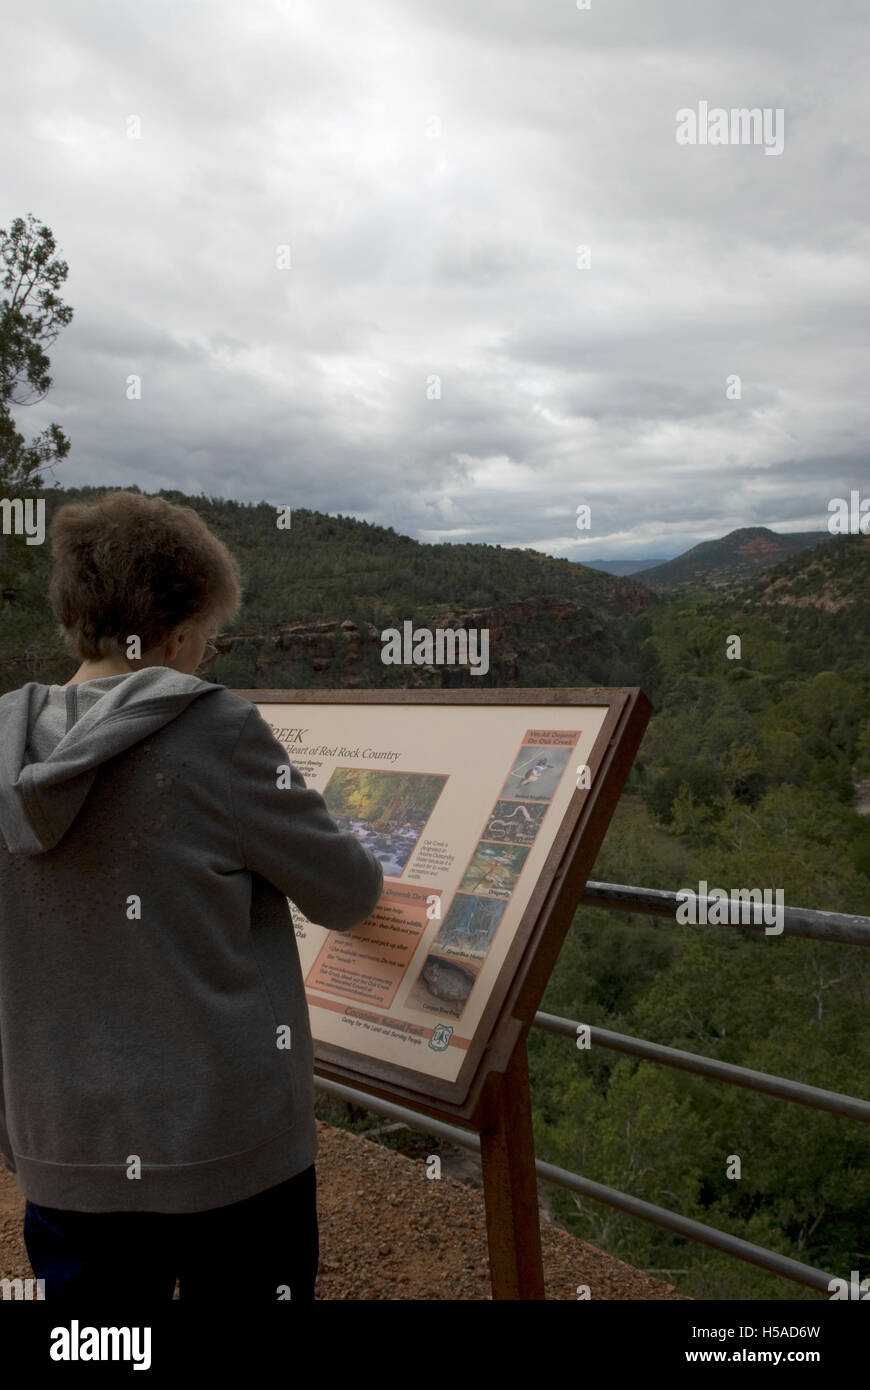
[723, 563]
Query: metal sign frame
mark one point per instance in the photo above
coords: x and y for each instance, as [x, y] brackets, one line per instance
[538, 939]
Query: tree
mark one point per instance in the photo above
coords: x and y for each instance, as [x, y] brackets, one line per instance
[31, 316]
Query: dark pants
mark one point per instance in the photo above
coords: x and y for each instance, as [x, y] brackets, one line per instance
[252, 1251]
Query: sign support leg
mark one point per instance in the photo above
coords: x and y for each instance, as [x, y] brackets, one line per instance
[510, 1189]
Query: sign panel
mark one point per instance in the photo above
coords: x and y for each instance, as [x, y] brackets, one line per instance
[467, 799]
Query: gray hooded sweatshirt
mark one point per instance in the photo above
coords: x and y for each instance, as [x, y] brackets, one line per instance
[155, 1046]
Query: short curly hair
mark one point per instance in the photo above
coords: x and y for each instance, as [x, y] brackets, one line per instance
[129, 564]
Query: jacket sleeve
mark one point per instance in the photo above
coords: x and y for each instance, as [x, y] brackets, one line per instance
[288, 836]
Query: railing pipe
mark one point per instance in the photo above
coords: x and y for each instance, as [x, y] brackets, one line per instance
[797, 921]
[815, 1096]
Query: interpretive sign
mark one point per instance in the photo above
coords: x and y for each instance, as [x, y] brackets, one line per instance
[477, 804]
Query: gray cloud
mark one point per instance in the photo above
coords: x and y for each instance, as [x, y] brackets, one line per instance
[420, 252]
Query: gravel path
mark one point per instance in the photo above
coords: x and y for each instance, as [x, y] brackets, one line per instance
[389, 1232]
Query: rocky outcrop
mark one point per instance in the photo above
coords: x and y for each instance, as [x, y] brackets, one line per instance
[332, 648]
[314, 644]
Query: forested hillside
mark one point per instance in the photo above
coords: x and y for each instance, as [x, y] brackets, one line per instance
[552, 618]
[746, 778]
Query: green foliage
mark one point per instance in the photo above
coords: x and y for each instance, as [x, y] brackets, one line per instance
[745, 779]
[31, 316]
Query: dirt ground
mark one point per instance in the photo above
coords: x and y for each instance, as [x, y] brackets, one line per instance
[389, 1232]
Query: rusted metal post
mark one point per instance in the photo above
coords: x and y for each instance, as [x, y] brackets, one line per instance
[510, 1189]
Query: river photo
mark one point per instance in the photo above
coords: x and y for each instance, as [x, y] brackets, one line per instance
[386, 811]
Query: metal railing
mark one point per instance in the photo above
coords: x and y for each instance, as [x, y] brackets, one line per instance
[824, 926]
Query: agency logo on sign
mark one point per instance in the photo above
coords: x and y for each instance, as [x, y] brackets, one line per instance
[441, 1036]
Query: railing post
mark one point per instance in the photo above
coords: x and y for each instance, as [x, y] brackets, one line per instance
[510, 1187]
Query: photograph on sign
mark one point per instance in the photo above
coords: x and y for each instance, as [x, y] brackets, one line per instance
[461, 804]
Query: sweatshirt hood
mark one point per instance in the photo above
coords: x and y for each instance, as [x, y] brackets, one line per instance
[41, 797]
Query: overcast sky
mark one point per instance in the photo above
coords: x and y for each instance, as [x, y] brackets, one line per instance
[433, 167]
